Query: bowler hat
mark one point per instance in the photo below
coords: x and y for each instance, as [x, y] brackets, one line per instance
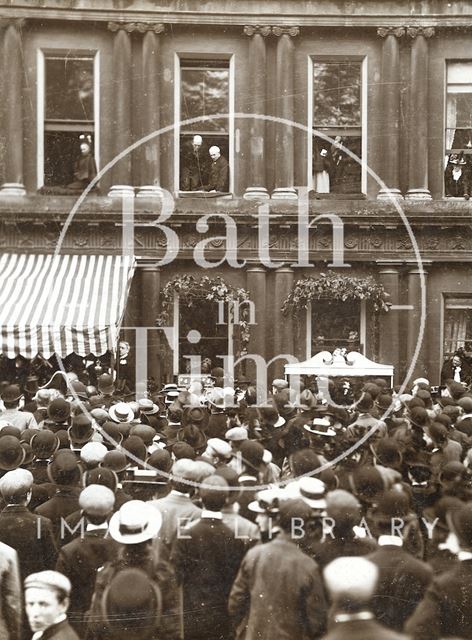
[112, 437]
[12, 453]
[81, 429]
[135, 613]
[78, 389]
[160, 460]
[135, 449]
[367, 483]
[252, 454]
[105, 384]
[10, 430]
[183, 450]
[29, 455]
[192, 435]
[116, 461]
[31, 385]
[59, 410]
[195, 415]
[102, 476]
[419, 417]
[44, 444]
[12, 393]
[64, 468]
[145, 432]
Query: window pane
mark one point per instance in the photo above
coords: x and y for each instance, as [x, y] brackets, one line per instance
[334, 171]
[203, 317]
[335, 324]
[69, 88]
[459, 73]
[457, 330]
[205, 92]
[64, 165]
[195, 162]
[337, 94]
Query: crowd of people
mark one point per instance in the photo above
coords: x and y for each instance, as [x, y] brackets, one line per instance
[197, 514]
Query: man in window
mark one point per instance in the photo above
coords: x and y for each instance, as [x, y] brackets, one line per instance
[194, 166]
[219, 171]
[85, 168]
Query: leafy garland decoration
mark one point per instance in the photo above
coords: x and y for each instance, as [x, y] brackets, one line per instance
[192, 290]
[333, 286]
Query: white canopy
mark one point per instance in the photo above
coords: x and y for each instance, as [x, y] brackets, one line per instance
[352, 364]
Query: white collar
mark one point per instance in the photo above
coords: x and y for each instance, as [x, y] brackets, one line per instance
[178, 494]
[97, 527]
[39, 634]
[390, 540]
[348, 617]
[464, 555]
[214, 515]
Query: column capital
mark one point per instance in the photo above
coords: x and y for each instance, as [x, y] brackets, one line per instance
[255, 268]
[398, 32]
[147, 265]
[286, 31]
[252, 30]
[426, 32]
[140, 27]
[18, 23]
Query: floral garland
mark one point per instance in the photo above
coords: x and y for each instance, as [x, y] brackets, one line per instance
[192, 290]
[332, 286]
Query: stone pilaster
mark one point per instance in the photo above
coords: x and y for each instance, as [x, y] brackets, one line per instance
[390, 117]
[256, 188]
[285, 72]
[418, 186]
[13, 113]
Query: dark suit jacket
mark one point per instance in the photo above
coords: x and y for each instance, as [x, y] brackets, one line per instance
[65, 502]
[79, 561]
[219, 175]
[206, 565]
[327, 551]
[278, 594]
[32, 540]
[362, 630]
[446, 609]
[403, 581]
[60, 631]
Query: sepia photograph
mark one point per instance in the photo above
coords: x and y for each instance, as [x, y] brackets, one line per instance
[235, 320]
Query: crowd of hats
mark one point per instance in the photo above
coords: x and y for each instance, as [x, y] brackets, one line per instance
[372, 452]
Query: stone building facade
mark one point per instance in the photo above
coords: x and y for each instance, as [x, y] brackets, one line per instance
[276, 86]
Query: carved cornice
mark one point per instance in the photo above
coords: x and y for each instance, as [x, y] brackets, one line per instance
[426, 32]
[398, 32]
[286, 31]
[140, 27]
[250, 30]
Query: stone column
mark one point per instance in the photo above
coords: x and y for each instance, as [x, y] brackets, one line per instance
[13, 113]
[389, 324]
[283, 325]
[418, 115]
[122, 82]
[256, 285]
[284, 160]
[150, 151]
[256, 189]
[389, 135]
[150, 289]
[414, 322]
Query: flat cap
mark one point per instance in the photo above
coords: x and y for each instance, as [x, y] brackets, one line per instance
[236, 434]
[93, 452]
[351, 577]
[16, 483]
[48, 580]
[97, 500]
[219, 447]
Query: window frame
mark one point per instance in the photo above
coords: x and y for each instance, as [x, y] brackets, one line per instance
[42, 55]
[450, 295]
[310, 329]
[338, 58]
[229, 59]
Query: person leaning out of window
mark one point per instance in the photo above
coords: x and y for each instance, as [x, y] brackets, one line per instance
[457, 176]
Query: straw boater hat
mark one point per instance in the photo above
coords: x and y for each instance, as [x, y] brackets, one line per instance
[121, 412]
[135, 522]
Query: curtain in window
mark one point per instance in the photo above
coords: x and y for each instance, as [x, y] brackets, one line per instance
[455, 330]
[451, 120]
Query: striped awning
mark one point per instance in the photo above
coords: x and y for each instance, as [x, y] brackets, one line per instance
[62, 304]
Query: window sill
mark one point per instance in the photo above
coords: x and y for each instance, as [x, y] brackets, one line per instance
[336, 196]
[205, 194]
[65, 191]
